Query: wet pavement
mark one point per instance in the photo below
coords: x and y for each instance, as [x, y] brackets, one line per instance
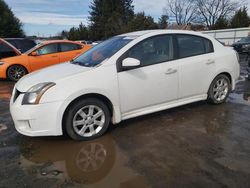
[197, 145]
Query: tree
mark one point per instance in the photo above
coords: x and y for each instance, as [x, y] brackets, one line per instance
[142, 22]
[211, 10]
[163, 21]
[77, 33]
[184, 11]
[240, 18]
[9, 24]
[221, 23]
[109, 17]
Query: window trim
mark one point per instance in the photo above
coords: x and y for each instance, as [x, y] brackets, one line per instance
[177, 46]
[122, 57]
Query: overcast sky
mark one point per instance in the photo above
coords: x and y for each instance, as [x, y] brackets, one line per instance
[48, 17]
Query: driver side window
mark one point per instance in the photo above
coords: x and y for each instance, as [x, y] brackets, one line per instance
[48, 49]
[154, 50]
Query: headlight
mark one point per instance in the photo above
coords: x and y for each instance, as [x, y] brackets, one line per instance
[1, 63]
[35, 93]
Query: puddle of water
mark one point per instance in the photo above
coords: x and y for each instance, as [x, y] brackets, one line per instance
[97, 163]
[3, 128]
[239, 98]
[6, 90]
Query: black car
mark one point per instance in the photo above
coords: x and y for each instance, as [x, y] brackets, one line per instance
[7, 50]
[22, 44]
[243, 45]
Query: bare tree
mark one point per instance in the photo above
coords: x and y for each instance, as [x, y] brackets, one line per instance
[184, 11]
[212, 10]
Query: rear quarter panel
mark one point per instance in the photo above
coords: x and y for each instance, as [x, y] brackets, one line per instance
[227, 62]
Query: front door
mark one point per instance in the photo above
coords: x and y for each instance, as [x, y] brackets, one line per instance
[46, 56]
[155, 81]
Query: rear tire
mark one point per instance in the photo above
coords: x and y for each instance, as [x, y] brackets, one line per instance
[87, 119]
[16, 72]
[219, 89]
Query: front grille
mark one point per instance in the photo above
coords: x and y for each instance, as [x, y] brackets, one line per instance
[16, 95]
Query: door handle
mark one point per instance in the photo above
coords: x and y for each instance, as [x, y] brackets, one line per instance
[171, 71]
[54, 56]
[210, 61]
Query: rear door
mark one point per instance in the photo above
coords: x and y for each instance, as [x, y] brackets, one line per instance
[47, 55]
[68, 51]
[196, 63]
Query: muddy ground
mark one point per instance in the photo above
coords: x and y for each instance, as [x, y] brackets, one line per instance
[197, 145]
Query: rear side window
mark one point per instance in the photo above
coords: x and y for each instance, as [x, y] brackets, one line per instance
[65, 47]
[190, 45]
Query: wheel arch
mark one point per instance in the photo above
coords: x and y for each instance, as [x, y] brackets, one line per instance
[14, 65]
[101, 97]
[226, 73]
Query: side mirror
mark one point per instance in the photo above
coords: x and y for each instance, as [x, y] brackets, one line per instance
[130, 63]
[34, 53]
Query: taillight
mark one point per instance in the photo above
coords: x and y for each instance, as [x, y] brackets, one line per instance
[238, 57]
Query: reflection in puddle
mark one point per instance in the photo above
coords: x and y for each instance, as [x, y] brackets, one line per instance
[6, 90]
[246, 97]
[89, 163]
[239, 98]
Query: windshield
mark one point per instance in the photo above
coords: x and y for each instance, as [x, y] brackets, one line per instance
[245, 39]
[102, 51]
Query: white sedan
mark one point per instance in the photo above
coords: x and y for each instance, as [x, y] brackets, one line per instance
[126, 76]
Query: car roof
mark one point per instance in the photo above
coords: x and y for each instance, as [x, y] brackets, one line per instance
[60, 41]
[159, 31]
[18, 39]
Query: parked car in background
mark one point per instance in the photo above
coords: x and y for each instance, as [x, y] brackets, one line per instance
[7, 50]
[126, 76]
[22, 44]
[96, 42]
[243, 45]
[43, 55]
[85, 42]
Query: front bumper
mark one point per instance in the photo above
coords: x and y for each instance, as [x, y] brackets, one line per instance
[2, 71]
[35, 120]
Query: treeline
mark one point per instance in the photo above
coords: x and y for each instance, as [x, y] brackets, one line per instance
[111, 17]
[240, 19]
[10, 26]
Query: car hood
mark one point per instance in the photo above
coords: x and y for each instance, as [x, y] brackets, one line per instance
[15, 59]
[50, 74]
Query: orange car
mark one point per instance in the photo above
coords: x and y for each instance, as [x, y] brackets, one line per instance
[43, 55]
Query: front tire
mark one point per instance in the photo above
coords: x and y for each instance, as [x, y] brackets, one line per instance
[87, 119]
[16, 72]
[219, 89]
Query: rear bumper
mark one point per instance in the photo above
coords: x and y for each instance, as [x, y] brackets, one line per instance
[35, 120]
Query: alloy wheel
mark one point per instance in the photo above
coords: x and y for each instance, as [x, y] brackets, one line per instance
[16, 72]
[220, 89]
[88, 121]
